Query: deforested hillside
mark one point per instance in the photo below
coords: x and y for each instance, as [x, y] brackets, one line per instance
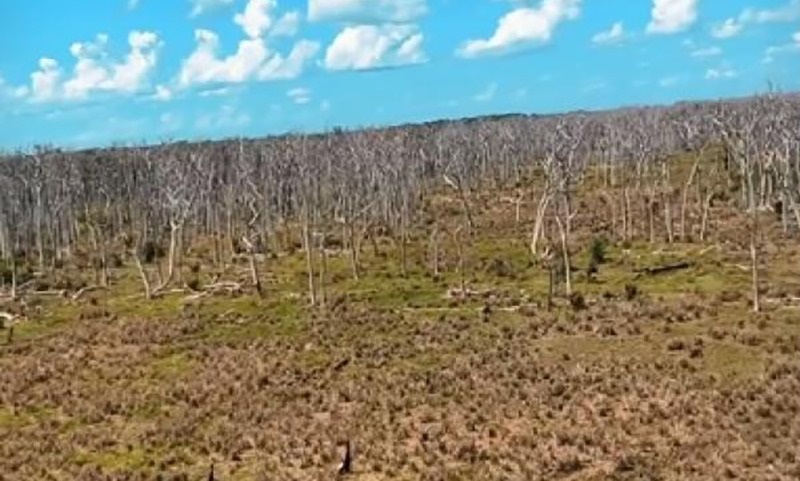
[594, 295]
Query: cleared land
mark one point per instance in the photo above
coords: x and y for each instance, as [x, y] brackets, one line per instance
[667, 376]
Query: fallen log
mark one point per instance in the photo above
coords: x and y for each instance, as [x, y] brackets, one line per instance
[86, 290]
[655, 270]
[6, 318]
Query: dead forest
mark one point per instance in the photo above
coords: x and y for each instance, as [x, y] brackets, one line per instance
[258, 197]
[593, 295]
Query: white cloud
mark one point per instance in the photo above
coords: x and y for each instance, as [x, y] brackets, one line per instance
[614, 35]
[721, 73]
[256, 19]
[287, 25]
[364, 47]
[44, 82]
[523, 28]
[707, 52]
[95, 72]
[300, 96]
[672, 16]
[486, 94]
[162, 93]
[12, 92]
[733, 26]
[202, 6]
[217, 92]
[324, 106]
[771, 52]
[788, 13]
[367, 11]
[252, 60]
[203, 65]
[140, 61]
[727, 29]
[279, 67]
[132, 4]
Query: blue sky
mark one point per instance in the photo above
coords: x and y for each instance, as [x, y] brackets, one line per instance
[94, 72]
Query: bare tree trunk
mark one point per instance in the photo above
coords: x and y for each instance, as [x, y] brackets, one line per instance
[517, 211]
[668, 218]
[354, 247]
[143, 276]
[541, 210]
[173, 245]
[403, 252]
[461, 264]
[254, 275]
[650, 219]
[312, 292]
[550, 286]
[706, 209]
[435, 247]
[323, 268]
[13, 276]
[754, 260]
[626, 215]
[565, 252]
[685, 198]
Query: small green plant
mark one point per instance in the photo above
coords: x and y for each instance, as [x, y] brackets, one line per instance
[597, 255]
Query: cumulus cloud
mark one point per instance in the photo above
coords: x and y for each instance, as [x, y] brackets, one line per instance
[300, 95]
[614, 35]
[522, 28]
[291, 66]
[204, 66]
[367, 11]
[12, 92]
[287, 25]
[256, 18]
[672, 16]
[733, 26]
[364, 47]
[45, 81]
[202, 6]
[95, 72]
[253, 59]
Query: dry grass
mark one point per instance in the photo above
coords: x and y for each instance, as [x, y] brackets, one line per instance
[681, 382]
